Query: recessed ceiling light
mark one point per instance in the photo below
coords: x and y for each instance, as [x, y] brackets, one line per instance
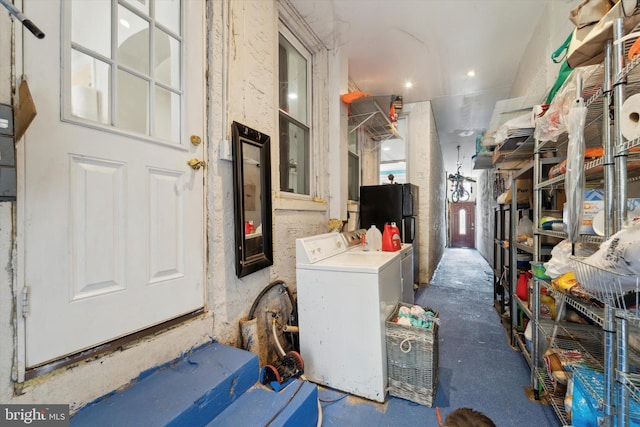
[386, 148]
[471, 73]
[408, 85]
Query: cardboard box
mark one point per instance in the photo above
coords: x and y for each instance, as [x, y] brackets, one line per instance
[524, 192]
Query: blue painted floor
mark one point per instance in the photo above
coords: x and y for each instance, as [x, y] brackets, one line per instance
[477, 366]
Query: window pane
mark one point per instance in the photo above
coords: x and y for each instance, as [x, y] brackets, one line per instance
[166, 115]
[133, 41]
[133, 103]
[116, 91]
[167, 59]
[294, 157]
[462, 224]
[168, 14]
[353, 141]
[293, 81]
[354, 177]
[90, 89]
[397, 169]
[141, 5]
[91, 25]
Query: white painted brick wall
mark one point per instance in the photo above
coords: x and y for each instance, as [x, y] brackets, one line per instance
[252, 100]
[426, 170]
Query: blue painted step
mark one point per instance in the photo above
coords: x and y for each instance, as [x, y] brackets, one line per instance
[190, 392]
[294, 406]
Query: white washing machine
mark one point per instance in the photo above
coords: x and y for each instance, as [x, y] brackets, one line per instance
[406, 261]
[353, 239]
[344, 298]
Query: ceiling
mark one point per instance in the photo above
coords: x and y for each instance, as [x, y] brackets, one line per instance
[433, 44]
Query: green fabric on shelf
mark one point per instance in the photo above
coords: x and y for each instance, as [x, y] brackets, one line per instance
[565, 70]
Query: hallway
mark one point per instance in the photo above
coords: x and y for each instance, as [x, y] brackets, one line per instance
[477, 367]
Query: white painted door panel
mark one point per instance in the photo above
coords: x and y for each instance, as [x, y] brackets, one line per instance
[113, 225]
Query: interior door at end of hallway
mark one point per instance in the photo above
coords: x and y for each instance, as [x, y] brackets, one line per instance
[462, 225]
[112, 222]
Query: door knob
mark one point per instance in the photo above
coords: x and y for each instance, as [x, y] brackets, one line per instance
[196, 164]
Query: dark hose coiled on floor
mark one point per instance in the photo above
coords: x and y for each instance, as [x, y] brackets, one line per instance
[293, 317]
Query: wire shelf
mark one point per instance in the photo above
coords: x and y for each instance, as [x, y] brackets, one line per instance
[557, 402]
[588, 309]
[571, 338]
[609, 287]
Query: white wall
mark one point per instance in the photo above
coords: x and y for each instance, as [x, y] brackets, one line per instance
[485, 215]
[537, 72]
[370, 159]
[243, 59]
[426, 169]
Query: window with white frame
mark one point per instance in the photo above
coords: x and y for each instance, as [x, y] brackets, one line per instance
[294, 93]
[124, 68]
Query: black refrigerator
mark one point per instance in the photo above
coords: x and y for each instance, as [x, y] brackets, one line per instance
[397, 203]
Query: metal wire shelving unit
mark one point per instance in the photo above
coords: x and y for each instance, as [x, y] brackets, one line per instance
[609, 372]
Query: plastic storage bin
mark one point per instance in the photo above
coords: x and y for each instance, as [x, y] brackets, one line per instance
[412, 359]
[588, 398]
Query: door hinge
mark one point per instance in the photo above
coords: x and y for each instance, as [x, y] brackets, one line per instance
[25, 301]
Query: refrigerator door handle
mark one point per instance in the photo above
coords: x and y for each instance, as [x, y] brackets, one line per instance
[413, 228]
[409, 227]
[412, 195]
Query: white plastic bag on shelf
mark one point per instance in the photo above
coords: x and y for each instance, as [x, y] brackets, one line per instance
[621, 253]
[552, 124]
[574, 178]
[560, 262]
[554, 121]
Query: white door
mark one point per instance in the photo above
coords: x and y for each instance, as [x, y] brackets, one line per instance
[113, 216]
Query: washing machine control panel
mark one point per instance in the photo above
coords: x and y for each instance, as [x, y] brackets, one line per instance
[310, 250]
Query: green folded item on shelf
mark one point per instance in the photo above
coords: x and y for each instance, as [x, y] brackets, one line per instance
[565, 70]
[548, 225]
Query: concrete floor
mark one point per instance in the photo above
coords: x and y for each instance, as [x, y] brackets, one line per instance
[477, 366]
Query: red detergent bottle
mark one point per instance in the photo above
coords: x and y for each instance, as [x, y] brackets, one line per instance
[387, 238]
[396, 241]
